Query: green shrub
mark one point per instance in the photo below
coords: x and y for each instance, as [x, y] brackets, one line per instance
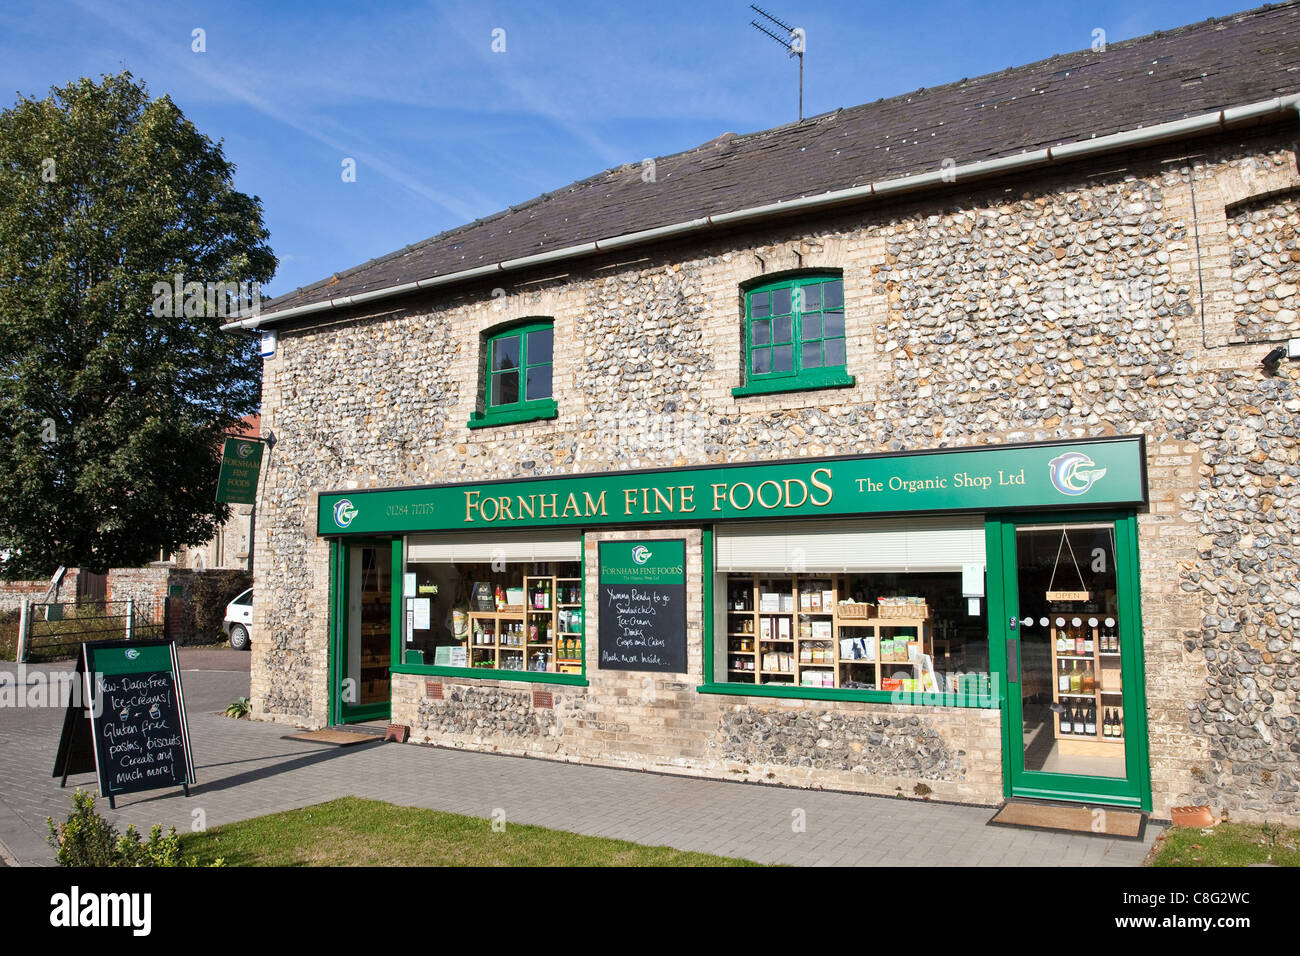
[87, 839]
[239, 708]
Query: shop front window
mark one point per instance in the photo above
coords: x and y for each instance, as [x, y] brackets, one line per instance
[885, 632]
[888, 605]
[504, 616]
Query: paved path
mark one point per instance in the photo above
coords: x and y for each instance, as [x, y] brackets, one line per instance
[247, 769]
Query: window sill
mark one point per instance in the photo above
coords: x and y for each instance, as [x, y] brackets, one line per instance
[486, 673]
[808, 382]
[840, 693]
[515, 416]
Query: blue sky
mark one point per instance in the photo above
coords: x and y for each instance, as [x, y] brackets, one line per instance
[443, 129]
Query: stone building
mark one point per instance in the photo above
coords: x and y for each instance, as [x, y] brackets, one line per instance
[934, 447]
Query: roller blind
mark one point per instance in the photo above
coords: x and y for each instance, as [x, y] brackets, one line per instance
[889, 544]
[517, 546]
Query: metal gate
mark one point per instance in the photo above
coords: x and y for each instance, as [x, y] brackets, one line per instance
[54, 631]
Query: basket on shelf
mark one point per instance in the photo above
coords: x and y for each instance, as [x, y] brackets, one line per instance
[912, 611]
[855, 611]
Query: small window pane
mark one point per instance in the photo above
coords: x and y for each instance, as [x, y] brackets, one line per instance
[812, 297]
[833, 324]
[834, 352]
[782, 329]
[540, 345]
[760, 305]
[505, 388]
[762, 332]
[833, 294]
[505, 353]
[762, 361]
[781, 302]
[539, 382]
[812, 326]
[783, 358]
[812, 355]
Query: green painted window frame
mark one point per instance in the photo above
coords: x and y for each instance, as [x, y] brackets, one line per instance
[798, 377]
[523, 409]
[711, 685]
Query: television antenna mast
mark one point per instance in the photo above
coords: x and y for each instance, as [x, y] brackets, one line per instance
[793, 41]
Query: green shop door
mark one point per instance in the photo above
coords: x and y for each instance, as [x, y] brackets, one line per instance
[1076, 710]
[363, 631]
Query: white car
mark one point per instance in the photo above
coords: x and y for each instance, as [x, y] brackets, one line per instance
[239, 620]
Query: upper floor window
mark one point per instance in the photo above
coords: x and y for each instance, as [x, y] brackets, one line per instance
[517, 375]
[794, 335]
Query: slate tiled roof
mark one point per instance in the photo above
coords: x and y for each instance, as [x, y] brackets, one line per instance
[1230, 61]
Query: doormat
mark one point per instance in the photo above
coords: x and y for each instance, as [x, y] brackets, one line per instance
[339, 738]
[1073, 818]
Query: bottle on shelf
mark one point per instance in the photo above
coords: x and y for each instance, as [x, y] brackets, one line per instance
[1063, 680]
[1090, 721]
[1076, 679]
[1067, 727]
[1089, 680]
[1119, 723]
[1079, 720]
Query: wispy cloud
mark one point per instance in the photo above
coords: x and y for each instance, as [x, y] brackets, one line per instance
[221, 77]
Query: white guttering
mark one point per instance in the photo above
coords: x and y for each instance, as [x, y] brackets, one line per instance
[1068, 152]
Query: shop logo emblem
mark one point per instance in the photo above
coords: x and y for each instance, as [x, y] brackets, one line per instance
[244, 449]
[344, 513]
[132, 654]
[640, 554]
[1074, 473]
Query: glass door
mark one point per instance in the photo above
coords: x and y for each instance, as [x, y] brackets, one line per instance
[365, 651]
[1075, 714]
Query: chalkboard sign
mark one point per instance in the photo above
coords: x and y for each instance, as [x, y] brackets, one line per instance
[642, 594]
[137, 728]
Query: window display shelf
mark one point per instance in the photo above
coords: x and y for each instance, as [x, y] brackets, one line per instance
[811, 605]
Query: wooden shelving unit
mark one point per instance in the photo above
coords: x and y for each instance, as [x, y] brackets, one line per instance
[787, 629]
[1107, 693]
[547, 628]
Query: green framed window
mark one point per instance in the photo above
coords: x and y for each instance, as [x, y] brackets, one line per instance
[518, 375]
[794, 335]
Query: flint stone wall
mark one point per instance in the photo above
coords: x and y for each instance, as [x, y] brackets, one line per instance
[1086, 302]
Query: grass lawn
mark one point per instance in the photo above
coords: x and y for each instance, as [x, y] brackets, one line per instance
[356, 832]
[1228, 844]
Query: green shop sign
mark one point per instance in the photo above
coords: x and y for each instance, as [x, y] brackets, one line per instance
[1076, 474]
[241, 463]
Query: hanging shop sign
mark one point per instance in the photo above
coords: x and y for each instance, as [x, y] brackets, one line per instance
[642, 594]
[241, 463]
[1080, 474]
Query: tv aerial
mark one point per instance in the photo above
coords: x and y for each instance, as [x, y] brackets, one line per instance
[794, 42]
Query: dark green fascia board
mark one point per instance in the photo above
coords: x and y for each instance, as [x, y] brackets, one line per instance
[486, 673]
[799, 692]
[536, 412]
[806, 382]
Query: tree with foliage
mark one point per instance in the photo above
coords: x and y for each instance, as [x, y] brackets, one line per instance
[114, 398]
